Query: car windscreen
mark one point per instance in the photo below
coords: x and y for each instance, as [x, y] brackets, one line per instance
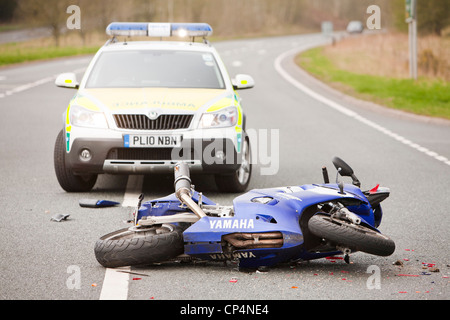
[155, 69]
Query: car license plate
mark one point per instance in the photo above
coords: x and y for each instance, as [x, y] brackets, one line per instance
[151, 141]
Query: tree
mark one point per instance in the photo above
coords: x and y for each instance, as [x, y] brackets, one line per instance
[433, 16]
[50, 13]
[7, 8]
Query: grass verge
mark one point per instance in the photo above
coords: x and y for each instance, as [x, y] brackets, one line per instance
[18, 52]
[430, 97]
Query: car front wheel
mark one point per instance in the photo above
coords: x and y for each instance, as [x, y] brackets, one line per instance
[67, 180]
[238, 181]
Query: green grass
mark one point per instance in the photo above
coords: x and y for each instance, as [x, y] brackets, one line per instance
[17, 52]
[430, 97]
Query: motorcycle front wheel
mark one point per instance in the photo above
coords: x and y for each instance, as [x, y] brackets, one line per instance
[348, 235]
[139, 246]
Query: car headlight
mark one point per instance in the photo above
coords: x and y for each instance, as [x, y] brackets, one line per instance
[225, 117]
[82, 117]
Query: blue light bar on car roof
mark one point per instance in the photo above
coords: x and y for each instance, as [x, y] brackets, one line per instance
[154, 29]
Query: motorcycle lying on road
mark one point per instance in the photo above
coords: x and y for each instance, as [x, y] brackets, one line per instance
[262, 228]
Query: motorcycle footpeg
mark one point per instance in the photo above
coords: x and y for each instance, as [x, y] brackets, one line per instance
[346, 252]
[347, 259]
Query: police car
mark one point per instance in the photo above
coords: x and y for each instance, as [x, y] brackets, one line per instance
[143, 106]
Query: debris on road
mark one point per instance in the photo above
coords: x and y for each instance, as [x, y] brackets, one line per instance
[134, 273]
[94, 203]
[59, 217]
[398, 263]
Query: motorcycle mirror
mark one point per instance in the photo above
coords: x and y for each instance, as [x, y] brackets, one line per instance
[343, 168]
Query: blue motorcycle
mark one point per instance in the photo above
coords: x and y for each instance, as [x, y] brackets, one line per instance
[262, 228]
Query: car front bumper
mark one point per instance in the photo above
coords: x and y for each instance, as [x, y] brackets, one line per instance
[211, 154]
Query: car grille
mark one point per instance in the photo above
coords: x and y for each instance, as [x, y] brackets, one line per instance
[163, 122]
[149, 154]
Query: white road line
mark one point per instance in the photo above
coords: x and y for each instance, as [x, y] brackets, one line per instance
[346, 111]
[115, 284]
[133, 190]
[236, 63]
[33, 84]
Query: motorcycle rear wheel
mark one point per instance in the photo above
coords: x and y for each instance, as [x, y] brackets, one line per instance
[139, 246]
[348, 235]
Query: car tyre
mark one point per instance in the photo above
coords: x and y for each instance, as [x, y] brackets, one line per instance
[67, 180]
[238, 181]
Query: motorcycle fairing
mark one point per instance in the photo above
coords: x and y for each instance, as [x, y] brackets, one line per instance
[280, 211]
[168, 205]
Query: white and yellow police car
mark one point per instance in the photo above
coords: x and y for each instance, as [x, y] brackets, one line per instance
[143, 106]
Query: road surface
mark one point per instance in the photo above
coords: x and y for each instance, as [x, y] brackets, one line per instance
[309, 124]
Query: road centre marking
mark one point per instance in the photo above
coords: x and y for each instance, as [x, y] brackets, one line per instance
[336, 106]
[133, 190]
[115, 284]
[33, 84]
[236, 63]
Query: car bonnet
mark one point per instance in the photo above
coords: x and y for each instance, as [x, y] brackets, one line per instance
[125, 100]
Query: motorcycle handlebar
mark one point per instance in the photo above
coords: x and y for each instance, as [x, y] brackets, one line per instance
[183, 188]
[182, 178]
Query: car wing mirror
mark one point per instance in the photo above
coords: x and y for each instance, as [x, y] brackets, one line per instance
[67, 80]
[243, 81]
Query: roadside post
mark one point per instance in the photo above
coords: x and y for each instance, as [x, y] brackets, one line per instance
[412, 33]
[327, 30]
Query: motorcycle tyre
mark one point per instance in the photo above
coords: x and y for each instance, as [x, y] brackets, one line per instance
[348, 235]
[126, 247]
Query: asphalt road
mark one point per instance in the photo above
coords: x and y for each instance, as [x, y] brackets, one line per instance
[42, 259]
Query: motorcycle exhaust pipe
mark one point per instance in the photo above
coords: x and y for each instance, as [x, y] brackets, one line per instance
[255, 240]
[183, 188]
